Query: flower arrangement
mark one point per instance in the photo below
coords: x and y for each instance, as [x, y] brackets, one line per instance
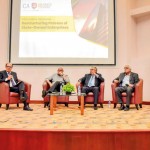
[68, 88]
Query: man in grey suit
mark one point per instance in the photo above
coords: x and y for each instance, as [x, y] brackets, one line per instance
[91, 83]
[15, 85]
[126, 81]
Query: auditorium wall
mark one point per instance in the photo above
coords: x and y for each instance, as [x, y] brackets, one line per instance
[132, 47]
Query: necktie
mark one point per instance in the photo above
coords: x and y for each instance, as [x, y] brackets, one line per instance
[91, 81]
[13, 83]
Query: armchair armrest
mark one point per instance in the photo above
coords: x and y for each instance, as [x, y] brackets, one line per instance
[113, 86]
[4, 92]
[102, 86]
[27, 89]
[45, 86]
[139, 92]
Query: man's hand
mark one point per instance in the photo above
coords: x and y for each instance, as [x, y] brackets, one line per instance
[9, 77]
[60, 73]
[116, 81]
[96, 74]
[78, 83]
[131, 85]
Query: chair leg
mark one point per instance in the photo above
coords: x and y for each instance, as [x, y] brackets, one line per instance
[17, 104]
[0, 105]
[140, 105]
[79, 103]
[101, 105]
[45, 104]
[115, 104]
[136, 105]
[66, 104]
[7, 106]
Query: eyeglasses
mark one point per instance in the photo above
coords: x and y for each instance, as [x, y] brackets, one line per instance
[9, 66]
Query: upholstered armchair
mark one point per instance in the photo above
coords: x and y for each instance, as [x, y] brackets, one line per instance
[137, 95]
[7, 97]
[60, 99]
[89, 98]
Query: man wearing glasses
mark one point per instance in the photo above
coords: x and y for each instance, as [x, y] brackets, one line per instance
[15, 85]
[91, 83]
[127, 81]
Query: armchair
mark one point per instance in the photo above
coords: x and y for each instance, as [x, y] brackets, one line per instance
[137, 95]
[89, 98]
[61, 99]
[7, 97]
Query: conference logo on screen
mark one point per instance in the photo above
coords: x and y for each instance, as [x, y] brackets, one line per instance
[36, 6]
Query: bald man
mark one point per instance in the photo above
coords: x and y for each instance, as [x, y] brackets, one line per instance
[127, 81]
[55, 81]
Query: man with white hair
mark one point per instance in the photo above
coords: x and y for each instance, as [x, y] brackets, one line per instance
[127, 81]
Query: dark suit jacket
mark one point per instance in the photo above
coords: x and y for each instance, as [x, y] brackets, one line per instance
[3, 76]
[134, 78]
[86, 78]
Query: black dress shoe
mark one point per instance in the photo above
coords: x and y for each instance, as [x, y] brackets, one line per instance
[126, 108]
[95, 107]
[27, 108]
[122, 107]
[44, 93]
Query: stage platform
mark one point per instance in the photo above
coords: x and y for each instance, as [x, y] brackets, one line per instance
[105, 128]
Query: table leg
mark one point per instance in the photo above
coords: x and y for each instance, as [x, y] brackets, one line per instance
[52, 104]
[82, 105]
[55, 101]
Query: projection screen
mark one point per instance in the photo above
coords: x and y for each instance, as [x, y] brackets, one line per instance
[62, 32]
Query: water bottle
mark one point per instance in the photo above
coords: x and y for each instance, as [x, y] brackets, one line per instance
[61, 89]
[79, 90]
[109, 104]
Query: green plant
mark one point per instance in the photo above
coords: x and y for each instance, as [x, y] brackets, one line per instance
[68, 87]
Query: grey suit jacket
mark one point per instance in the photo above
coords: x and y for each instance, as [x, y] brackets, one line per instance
[4, 75]
[134, 78]
[86, 78]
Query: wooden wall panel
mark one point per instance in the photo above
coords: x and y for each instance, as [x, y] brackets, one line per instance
[74, 140]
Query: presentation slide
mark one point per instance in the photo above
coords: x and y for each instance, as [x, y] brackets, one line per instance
[62, 32]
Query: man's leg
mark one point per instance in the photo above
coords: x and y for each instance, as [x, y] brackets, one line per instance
[118, 91]
[55, 86]
[22, 93]
[17, 90]
[95, 91]
[86, 90]
[129, 91]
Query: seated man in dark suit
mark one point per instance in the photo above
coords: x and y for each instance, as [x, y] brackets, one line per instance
[127, 81]
[91, 83]
[11, 78]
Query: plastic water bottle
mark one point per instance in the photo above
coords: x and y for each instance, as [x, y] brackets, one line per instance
[109, 104]
[61, 89]
[79, 90]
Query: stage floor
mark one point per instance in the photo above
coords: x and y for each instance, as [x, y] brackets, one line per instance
[70, 118]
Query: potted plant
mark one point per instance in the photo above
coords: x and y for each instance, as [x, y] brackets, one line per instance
[68, 88]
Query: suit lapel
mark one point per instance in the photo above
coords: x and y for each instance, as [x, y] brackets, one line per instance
[131, 77]
[5, 73]
[123, 75]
